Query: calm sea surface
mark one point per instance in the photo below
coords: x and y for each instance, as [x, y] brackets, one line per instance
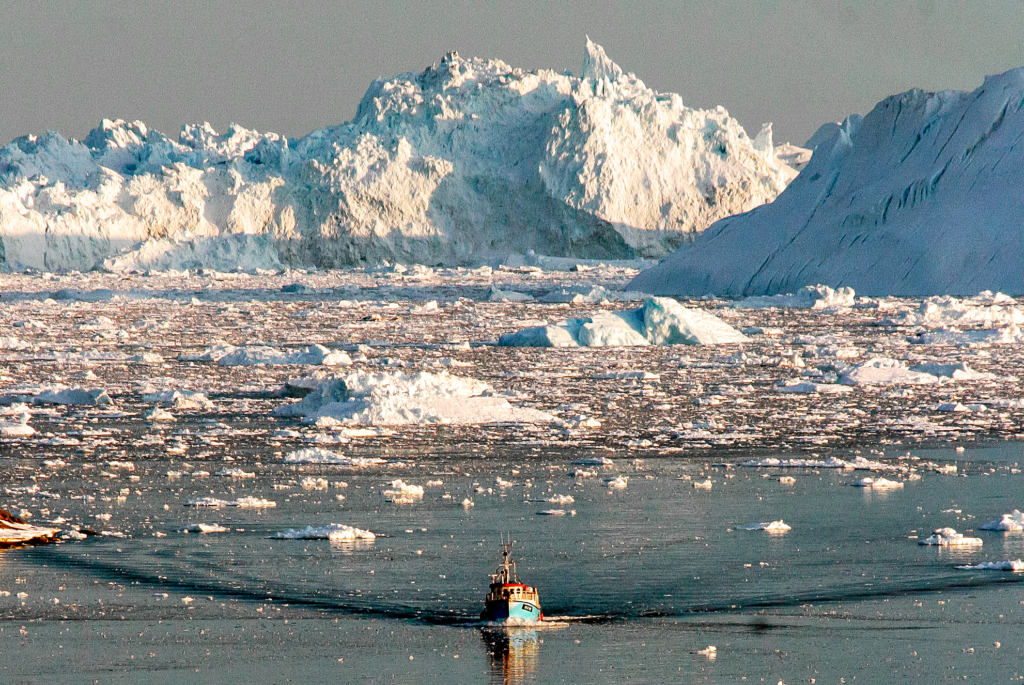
[639, 580]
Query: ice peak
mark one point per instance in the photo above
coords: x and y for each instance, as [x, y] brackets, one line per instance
[597, 66]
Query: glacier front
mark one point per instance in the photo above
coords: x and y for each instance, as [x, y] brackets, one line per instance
[467, 162]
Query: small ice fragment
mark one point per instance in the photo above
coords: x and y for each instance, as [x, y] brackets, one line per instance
[1011, 522]
[879, 484]
[771, 527]
[551, 512]
[617, 483]
[336, 532]
[205, 528]
[947, 537]
[1015, 565]
[703, 485]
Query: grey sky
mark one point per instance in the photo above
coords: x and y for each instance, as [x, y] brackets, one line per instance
[291, 67]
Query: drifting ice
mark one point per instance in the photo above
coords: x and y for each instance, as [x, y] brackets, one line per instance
[335, 532]
[361, 398]
[661, 321]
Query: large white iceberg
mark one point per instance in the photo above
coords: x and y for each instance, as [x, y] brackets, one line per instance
[467, 161]
[661, 321]
[394, 398]
[920, 197]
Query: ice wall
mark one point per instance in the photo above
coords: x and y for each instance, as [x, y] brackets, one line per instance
[920, 197]
[467, 161]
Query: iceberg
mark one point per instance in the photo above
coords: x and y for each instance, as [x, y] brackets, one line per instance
[393, 398]
[466, 162]
[335, 532]
[917, 198]
[661, 321]
[947, 537]
[1013, 522]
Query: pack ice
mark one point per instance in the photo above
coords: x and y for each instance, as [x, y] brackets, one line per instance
[918, 198]
[394, 398]
[468, 160]
[661, 321]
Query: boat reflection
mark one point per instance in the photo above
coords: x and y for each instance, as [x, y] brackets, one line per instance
[514, 653]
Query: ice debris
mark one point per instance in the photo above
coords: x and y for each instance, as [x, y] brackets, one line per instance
[879, 484]
[318, 455]
[661, 321]
[242, 502]
[884, 371]
[82, 396]
[1015, 565]
[809, 297]
[1010, 522]
[770, 527]
[205, 528]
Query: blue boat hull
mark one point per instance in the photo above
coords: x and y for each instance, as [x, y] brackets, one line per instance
[511, 611]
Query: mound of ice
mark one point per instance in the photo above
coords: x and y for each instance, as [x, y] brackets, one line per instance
[661, 321]
[947, 537]
[809, 297]
[394, 398]
[179, 399]
[467, 161]
[335, 532]
[16, 531]
[958, 371]
[884, 371]
[317, 455]
[798, 386]
[879, 484]
[1015, 565]
[771, 527]
[401, 492]
[241, 502]
[81, 396]
[272, 356]
[918, 198]
[205, 528]
[1011, 522]
[18, 428]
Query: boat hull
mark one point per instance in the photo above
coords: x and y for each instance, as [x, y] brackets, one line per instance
[512, 611]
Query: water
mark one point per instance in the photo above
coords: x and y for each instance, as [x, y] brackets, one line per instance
[639, 580]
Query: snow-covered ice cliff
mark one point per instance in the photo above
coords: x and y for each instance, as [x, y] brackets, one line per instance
[920, 197]
[468, 161]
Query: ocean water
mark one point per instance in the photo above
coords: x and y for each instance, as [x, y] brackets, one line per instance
[636, 583]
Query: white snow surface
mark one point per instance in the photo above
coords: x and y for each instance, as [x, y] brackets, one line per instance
[467, 161]
[661, 321]
[918, 198]
[394, 398]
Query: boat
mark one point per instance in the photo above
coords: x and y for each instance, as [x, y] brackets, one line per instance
[509, 600]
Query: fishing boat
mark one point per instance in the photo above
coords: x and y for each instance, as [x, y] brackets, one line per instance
[509, 600]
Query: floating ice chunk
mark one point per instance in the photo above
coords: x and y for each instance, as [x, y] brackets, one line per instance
[884, 371]
[798, 386]
[467, 503]
[242, 502]
[393, 398]
[617, 483]
[661, 321]
[496, 295]
[317, 455]
[403, 493]
[205, 528]
[335, 532]
[146, 358]
[626, 375]
[959, 371]
[312, 483]
[551, 512]
[271, 356]
[81, 396]
[702, 484]
[583, 473]
[947, 537]
[159, 414]
[579, 294]
[15, 530]
[1007, 335]
[879, 484]
[179, 399]
[787, 480]
[771, 527]
[594, 461]
[210, 354]
[808, 297]
[561, 499]
[235, 473]
[951, 407]
[1011, 522]
[1015, 565]
[18, 428]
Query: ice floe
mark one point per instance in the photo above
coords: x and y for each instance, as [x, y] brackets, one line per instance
[884, 371]
[241, 502]
[948, 537]
[394, 398]
[82, 396]
[661, 321]
[879, 484]
[1013, 522]
[205, 528]
[335, 532]
[1015, 565]
[808, 297]
[779, 526]
[318, 455]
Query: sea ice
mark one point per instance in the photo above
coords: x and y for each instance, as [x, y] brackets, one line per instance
[771, 527]
[884, 371]
[947, 537]
[661, 321]
[809, 297]
[205, 528]
[879, 484]
[1015, 565]
[1010, 522]
[82, 396]
[335, 532]
[394, 398]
